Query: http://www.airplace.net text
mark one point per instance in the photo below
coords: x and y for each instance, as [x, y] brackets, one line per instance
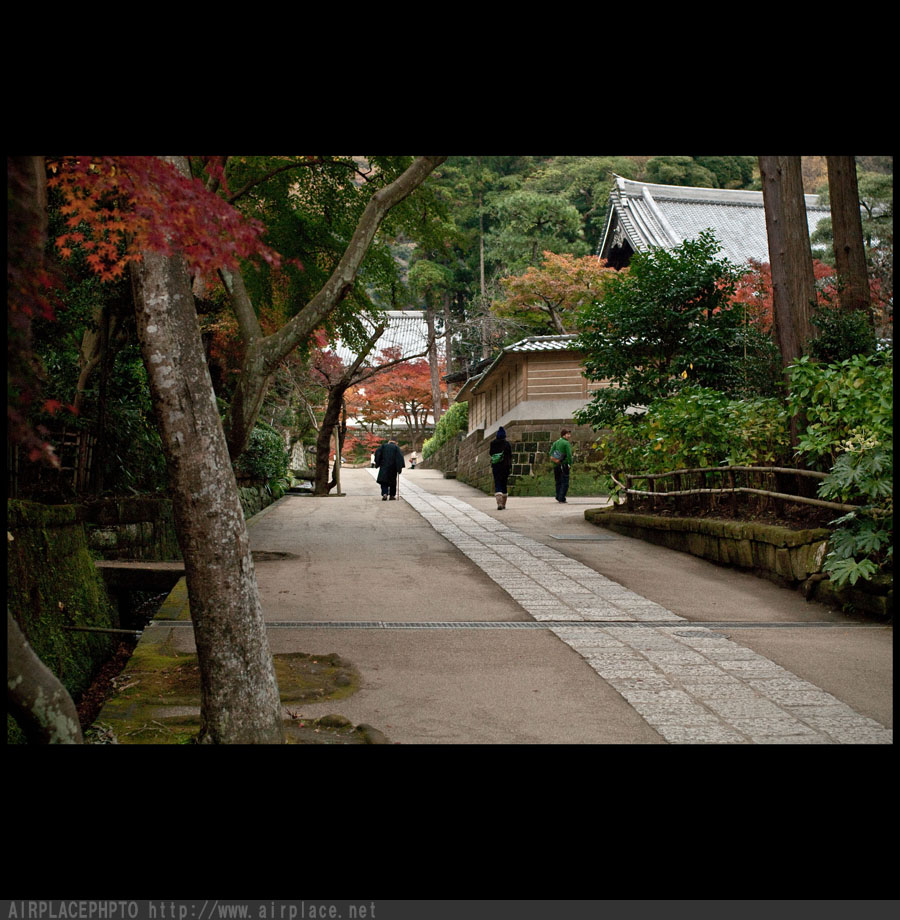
[188, 910]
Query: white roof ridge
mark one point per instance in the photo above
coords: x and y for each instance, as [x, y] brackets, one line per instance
[635, 188]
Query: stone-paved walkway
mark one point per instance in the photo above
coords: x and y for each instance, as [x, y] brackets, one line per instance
[689, 683]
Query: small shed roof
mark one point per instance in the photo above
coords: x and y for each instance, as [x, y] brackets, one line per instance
[646, 215]
[534, 343]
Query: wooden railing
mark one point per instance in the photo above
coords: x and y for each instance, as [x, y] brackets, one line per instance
[75, 449]
[731, 488]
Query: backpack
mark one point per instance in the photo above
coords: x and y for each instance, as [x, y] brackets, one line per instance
[556, 456]
[497, 458]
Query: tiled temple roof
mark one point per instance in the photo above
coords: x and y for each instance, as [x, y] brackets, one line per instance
[644, 215]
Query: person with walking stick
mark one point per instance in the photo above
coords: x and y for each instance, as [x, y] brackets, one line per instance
[389, 460]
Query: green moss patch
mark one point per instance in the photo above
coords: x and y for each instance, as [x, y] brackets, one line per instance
[157, 699]
[304, 678]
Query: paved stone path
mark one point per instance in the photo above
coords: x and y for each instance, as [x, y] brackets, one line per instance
[689, 683]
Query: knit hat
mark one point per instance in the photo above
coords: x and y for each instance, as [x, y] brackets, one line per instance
[501, 432]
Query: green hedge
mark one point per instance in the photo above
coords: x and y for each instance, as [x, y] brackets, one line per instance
[697, 427]
[450, 424]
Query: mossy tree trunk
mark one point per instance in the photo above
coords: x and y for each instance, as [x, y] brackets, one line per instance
[39, 702]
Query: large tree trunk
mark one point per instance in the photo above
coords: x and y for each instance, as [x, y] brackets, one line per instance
[846, 222]
[790, 257]
[239, 699]
[40, 703]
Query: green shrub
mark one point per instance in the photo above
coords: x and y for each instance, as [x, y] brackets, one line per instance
[841, 401]
[842, 334]
[266, 458]
[450, 424]
[697, 427]
[667, 323]
[849, 412]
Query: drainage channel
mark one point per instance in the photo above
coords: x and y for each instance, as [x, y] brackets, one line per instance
[543, 624]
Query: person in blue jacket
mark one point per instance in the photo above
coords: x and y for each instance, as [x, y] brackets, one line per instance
[501, 463]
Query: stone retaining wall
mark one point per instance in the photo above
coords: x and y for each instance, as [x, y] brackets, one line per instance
[445, 458]
[792, 558]
[788, 555]
[143, 527]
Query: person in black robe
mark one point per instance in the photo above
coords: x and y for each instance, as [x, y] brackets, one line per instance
[389, 460]
[500, 452]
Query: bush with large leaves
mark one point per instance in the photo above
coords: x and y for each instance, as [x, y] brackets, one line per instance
[849, 412]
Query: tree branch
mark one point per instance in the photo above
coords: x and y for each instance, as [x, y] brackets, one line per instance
[281, 343]
[243, 308]
[316, 161]
[264, 354]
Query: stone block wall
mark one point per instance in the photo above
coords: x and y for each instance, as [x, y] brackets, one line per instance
[143, 527]
[445, 458]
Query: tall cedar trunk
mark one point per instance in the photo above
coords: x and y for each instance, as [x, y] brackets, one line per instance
[437, 408]
[448, 337]
[239, 694]
[790, 257]
[846, 222]
[485, 339]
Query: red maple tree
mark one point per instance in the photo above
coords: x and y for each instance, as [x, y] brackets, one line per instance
[754, 289]
[399, 392]
[117, 207]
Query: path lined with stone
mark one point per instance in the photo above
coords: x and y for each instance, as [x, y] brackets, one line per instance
[689, 683]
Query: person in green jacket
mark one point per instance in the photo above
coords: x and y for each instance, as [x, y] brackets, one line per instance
[562, 450]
